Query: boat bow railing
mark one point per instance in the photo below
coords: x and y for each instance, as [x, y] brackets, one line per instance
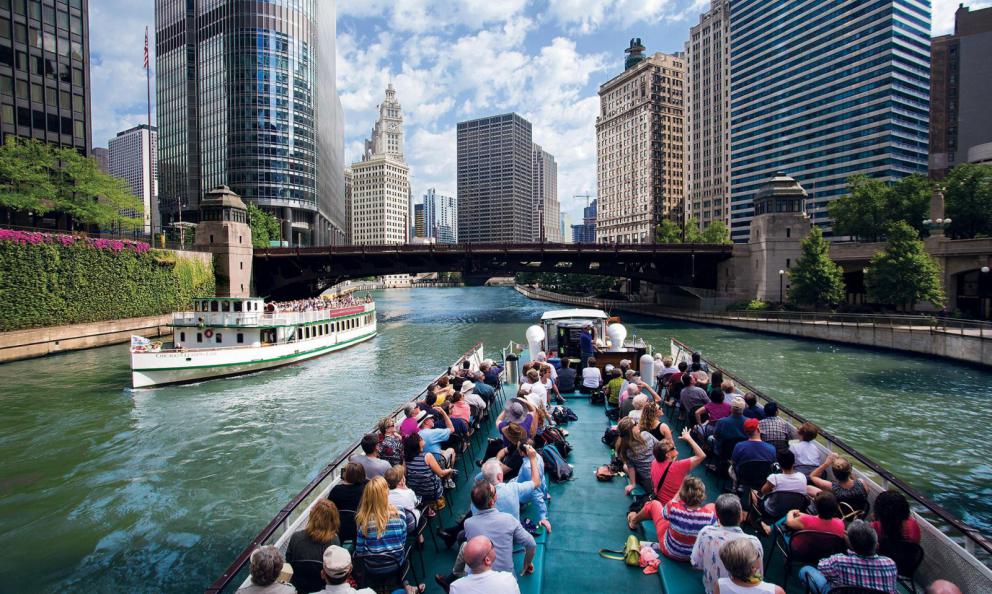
[294, 514]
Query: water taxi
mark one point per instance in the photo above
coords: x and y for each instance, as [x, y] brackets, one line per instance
[230, 336]
[588, 515]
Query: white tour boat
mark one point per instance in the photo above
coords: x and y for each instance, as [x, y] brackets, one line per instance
[231, 336]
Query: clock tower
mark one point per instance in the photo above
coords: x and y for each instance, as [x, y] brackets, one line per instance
[387, 134]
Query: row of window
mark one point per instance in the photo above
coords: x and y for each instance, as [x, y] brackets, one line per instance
[316, 330]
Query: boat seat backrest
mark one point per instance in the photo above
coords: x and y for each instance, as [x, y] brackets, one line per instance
[306, 576]
[907, 555]
[854, 590]
[753, 474]
[809, 546]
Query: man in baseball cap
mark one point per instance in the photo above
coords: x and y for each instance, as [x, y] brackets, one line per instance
[337, 568]
[753, 449]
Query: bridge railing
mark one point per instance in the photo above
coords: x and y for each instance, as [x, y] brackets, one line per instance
[687, 248]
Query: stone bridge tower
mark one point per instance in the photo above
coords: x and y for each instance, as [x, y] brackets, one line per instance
[223, 230]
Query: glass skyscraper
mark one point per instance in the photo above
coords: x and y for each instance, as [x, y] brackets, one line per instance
[246, 97]
[823, 90]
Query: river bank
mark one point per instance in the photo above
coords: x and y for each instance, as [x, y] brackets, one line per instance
[40, 342]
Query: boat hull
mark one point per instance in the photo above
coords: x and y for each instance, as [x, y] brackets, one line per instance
[174, 367]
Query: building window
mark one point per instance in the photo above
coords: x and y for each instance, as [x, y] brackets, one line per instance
[182, 337]
[199, 337]
[241, 338]
[218, 335]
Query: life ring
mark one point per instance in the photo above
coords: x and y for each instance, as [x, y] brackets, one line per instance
[208, 333]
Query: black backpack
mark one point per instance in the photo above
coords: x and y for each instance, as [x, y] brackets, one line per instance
[597, 397]
[610, 437]
[555, 467]
[553, 436]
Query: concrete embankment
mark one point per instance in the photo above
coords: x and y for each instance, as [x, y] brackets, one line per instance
[967, 345]
[38, 342]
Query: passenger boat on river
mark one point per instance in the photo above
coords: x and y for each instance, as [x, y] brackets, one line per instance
[588, 515]
[231, 336]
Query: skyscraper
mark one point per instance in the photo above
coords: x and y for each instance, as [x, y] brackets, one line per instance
[45, 72]
[545, 209]
[347, 206]
[640, 149]
[419, 229]
[495, 180]
[825, 90]
[380, 186]
[440, 217]
[246, 97]
[131, 160]
[586, 232]
[960, 88]
[707, 119]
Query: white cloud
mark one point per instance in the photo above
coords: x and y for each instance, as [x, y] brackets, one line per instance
[943, 13]
[433, 15]
[588, 16]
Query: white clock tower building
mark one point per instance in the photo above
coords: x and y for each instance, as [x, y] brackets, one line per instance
[380, 191]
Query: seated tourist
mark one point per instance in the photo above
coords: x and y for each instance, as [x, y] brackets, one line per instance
[401, 496]
[664, 367]
[566, 378]
[480, 389]
[382, 528]
[627, 399]
[629, 379]
[706, 552]
[651, 422]
[679, 521]
[860, 566]
[692, 396]
[337, 570]
[667, 471]
[639, 402]
[460, 413]
[849, 489]
[518, 413]
[512, 496]
[716, 409]
[943, 587]
[751, 408]
[675, 384]
[634, 447]
[390, 441]
[346, 495]
[893, 520]
[827, 518]
[310, 543]
[477, 404]
[742, 560]
[491, 373]
[729, 431]
[753, 448]
[369, 459]
[592, 377]
[698, 364]
[443, 390]
[479, 554]
[502, 529]
[423, 472]
[410, 423]
[265, 565]
[435, 438]
[614, 383]
[785, 481]
[775, 430]
[808, 454]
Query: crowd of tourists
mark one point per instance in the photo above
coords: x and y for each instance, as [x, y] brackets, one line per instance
[316, 304]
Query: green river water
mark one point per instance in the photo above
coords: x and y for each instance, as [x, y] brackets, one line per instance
[104, 489]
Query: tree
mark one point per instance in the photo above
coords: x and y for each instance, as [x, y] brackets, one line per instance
[264, 227]
[25, 176]
[969, 201]
[668, 232]
[904, 274]
[816, 279]
[909, 200]
[716, 232]
[91, 196]
[861, 213]
[692, 232]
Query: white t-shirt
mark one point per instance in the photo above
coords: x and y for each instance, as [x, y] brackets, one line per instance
[488, 582]
[807, 453]
[727, 586]
[788, 483]
[401, 498]
[635, 414]
[539, 391]
[592, 377]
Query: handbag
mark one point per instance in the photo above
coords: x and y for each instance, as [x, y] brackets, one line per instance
[640, 501]
[604, 473]
[631, 553]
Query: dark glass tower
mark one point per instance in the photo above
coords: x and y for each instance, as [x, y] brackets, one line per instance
[45, 71]
[246, 97]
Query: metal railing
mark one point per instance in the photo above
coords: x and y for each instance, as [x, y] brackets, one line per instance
[152, 239]
[294, 512]
[956, 533]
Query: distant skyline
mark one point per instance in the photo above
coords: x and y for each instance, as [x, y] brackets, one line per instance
[450, 60]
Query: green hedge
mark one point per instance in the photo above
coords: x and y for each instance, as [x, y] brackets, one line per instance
[50, 284]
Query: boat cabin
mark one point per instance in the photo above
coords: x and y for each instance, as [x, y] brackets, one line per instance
[563, 327]
[218, 322]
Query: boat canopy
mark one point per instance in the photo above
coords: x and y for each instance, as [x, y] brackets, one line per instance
[567, 314]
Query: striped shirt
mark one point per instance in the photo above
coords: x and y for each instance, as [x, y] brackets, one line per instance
[422, 479]
[777, 432]
[684, 525]
[390, 542]
[849, 569]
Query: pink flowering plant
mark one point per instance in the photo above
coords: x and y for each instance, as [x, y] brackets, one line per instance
[37, 238]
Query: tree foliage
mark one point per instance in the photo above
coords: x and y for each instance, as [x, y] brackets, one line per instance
[584, 285]
[668, 231]
[871, 205]
[39, 178]
[968, 201]
[904, 274]
[692, 232]
[816, 279]
[264, 227]
[716, 232]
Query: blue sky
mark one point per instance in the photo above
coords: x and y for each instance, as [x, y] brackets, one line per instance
[450, 60]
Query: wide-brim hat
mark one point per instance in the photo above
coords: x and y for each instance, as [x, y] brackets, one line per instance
[515, 413]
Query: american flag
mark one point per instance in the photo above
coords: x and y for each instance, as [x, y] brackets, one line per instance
[146, 48]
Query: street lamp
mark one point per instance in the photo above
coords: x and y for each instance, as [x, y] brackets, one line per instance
[781, 289]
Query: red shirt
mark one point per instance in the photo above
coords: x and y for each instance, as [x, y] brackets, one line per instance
[673, 482]
[910, 530]
[461, 410]
[833, 525]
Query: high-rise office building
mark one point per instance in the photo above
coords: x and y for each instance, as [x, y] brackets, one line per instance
[544, 207]
[823, 91]
[246, 97]
[640, 149]
[133, 158]
[495, 180]
[960, 88]
[102, 156]
[586, 232]
[45, 72]
[347, 205]
[441, 217]
[419, 230]
[380, 185]
[707, 141]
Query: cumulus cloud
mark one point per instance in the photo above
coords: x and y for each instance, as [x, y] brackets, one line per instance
[943, 13]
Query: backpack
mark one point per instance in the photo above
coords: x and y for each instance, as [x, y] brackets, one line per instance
[563, 414]
[555, 467]
[553, 436]
[597, 397]
[610, 437]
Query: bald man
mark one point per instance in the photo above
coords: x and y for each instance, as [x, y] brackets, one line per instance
[943, 587]
[479, 556]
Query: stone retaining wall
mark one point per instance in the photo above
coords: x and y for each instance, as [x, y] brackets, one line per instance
[38, 342]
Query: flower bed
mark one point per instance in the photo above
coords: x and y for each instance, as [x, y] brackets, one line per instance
[37, 238]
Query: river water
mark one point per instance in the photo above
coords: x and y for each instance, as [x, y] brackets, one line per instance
[107, 489]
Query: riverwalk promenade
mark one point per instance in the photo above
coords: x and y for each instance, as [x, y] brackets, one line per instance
[962, 340]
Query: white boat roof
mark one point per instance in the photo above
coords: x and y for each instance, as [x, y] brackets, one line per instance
[566, 314]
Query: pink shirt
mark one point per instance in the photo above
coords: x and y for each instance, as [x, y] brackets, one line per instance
[461, 410]
[833, 525]
[409, 426]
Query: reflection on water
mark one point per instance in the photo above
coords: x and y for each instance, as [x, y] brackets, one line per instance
[105, 489]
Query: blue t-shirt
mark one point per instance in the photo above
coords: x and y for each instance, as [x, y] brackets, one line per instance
[433, 438]
[585, 342]
[748, 451]
[484, 390]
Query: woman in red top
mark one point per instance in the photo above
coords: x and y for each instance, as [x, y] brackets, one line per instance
[893, 520]
[460, 410]
[666, 459]
[827, 518]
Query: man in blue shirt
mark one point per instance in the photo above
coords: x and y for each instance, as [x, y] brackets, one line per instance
[434, 438]
[753, 449]
[512, 496]
[586, 346]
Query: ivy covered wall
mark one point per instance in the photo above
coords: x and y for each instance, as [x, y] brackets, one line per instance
[50, 283]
